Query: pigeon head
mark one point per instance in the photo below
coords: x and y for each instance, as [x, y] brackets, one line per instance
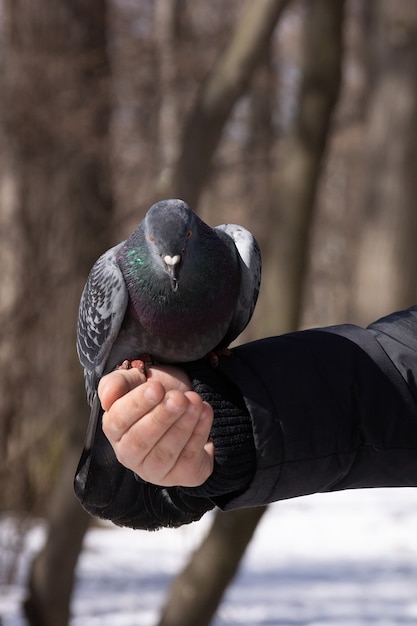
[169, 227]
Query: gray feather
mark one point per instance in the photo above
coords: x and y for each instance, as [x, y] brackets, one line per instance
[102, 309]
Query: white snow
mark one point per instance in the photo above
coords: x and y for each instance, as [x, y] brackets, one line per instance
[342, 559]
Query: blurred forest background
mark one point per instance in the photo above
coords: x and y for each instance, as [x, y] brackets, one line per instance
[295, 118]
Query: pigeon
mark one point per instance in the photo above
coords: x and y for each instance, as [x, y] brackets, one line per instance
[176, 290]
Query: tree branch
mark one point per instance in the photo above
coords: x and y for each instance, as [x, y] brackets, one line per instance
[224, 85]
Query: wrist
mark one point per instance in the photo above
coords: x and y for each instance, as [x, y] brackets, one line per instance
[231, 433]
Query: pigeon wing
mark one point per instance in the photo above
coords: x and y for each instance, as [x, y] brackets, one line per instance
[102, 309]
[249, 257]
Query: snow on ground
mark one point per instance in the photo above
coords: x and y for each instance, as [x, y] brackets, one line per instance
[343, 559]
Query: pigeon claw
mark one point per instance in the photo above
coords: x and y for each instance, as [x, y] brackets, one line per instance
[213, 357]
[138, 364]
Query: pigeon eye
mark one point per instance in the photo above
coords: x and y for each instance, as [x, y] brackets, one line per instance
[190, 232]
[151, 239]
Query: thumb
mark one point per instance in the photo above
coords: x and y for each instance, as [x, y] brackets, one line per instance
[118, 383]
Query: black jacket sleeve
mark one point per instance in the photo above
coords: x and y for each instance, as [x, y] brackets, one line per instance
[332, 408]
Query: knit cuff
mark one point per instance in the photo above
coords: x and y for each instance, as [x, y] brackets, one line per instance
[232, 434]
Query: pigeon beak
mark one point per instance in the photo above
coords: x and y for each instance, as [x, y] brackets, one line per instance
[172, 264]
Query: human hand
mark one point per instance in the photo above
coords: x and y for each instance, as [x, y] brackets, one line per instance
[158, 427]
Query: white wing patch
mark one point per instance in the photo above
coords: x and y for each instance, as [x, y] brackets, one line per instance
[250, 277]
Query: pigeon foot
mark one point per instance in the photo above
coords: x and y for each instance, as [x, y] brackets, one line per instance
[139, 364]
[213, 357]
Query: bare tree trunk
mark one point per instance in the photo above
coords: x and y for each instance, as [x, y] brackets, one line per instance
[56, 114]
[197, 591]
[259, 169]
[51, 580]
[299, 171]
[225, 83]
[193, 597]
[386, 261]
[167, 17]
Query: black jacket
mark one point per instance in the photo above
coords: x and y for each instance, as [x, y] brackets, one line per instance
[324, 410]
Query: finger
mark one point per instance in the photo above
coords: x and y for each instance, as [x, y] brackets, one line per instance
[130, 408]
[117, 384]
[157, 434]
[196, 462]
[142, 439]
[202, 429]
[179, 457]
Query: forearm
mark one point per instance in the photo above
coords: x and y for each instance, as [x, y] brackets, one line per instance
[330, 410]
